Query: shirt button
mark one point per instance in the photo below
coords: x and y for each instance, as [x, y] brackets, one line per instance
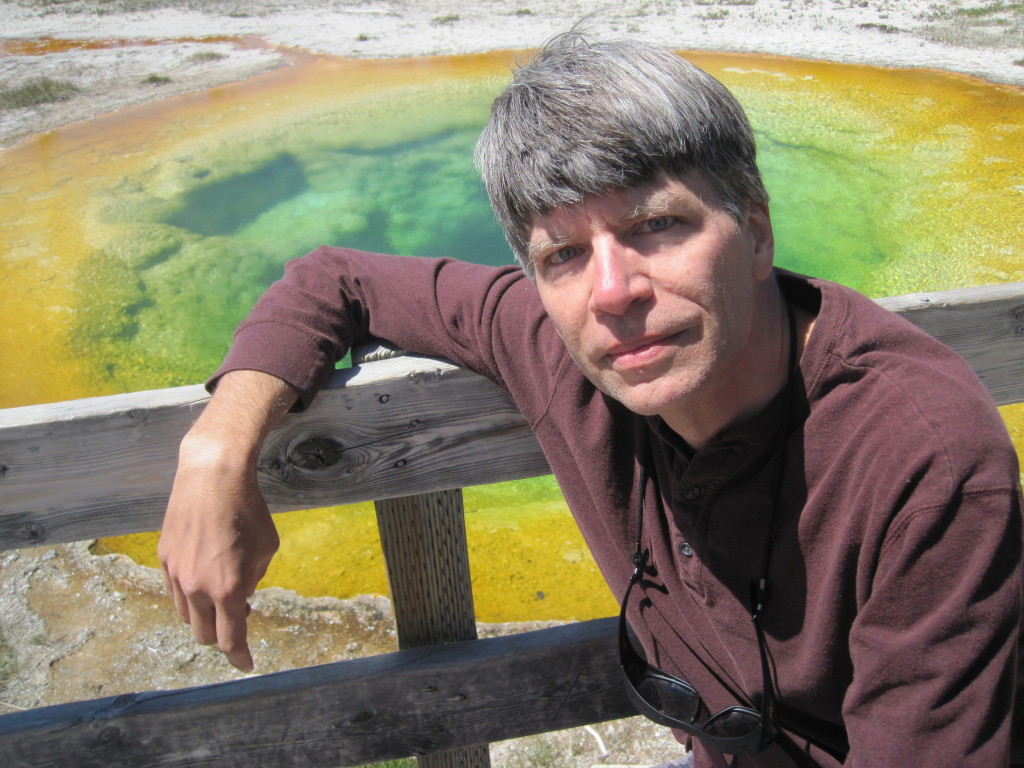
[685, 549]
[691, 493]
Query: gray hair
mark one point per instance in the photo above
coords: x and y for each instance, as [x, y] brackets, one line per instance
[585, 118]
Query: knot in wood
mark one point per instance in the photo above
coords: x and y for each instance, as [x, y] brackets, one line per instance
[361, 718]
[1017, 313]
[109, 735]
[33, 533]
[317, 452]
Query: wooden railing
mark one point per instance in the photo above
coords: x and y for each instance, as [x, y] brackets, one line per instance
[406, 432]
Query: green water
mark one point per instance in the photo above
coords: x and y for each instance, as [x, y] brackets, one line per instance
[178, 286]
[156, 307]
[172, 295]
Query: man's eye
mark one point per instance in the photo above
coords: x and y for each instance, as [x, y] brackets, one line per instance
[658, 224]
[563, 255]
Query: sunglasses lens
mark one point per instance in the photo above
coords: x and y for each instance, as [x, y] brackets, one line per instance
[676, 701]
[732, 723]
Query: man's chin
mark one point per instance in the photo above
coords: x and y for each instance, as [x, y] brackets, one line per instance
[645, 399]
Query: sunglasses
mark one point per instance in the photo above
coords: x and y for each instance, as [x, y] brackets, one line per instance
[672, 702]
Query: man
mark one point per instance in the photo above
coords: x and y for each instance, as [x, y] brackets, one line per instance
[815, 507]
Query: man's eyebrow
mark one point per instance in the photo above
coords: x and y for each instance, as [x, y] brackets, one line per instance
[545, 245]
[656, 204]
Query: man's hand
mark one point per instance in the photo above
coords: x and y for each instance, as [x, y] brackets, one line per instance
[218, 537]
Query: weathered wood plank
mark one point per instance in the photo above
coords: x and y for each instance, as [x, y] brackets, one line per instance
[103, 463]
[984, 324]
[424, 542]
[416, 426]
[103, 466]
[349, 713]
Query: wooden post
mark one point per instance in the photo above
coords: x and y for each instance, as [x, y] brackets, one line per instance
[424, 542]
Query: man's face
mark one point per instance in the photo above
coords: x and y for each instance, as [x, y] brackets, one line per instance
[656, 292]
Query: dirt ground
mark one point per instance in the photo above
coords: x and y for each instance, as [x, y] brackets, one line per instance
[76, 625]
[167, 47]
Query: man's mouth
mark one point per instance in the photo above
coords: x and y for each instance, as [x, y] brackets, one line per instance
[639, 352]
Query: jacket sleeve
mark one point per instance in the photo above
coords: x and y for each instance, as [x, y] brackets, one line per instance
[333, 298]
[934, 645]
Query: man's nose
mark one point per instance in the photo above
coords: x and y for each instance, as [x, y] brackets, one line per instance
[619, 278]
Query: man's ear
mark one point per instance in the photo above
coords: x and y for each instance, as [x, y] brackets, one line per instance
[759, 228]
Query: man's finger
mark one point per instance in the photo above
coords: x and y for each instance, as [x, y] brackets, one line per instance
[203, 620]
[177, 596]
[232, 633]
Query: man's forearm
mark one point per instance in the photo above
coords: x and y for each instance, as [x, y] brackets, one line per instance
[245, 406]
[218, 536]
